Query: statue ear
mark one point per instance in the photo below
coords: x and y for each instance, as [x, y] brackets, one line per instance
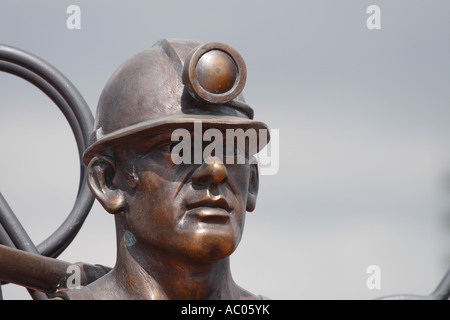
[253, 187]
[100, 178]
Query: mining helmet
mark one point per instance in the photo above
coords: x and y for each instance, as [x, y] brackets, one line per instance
[174, 84]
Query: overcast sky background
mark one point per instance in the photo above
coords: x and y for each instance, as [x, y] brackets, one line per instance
[364, 172]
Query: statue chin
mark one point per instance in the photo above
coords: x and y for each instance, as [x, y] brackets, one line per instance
[207, 246]
[213, 249]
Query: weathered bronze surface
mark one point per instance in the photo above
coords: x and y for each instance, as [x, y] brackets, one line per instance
[176, 224]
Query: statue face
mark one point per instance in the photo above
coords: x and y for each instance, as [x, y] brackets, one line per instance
[195, 211]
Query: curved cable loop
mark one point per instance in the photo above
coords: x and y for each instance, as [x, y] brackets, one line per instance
[64, 94]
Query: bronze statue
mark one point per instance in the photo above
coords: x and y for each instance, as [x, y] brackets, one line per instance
[176, 224]
[179, 212]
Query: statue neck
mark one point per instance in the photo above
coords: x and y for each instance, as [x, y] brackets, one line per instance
[154, 274]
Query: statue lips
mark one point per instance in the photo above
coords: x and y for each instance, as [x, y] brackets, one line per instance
[210, 210]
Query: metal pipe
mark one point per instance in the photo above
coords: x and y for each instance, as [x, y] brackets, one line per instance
[30, 270]
[54, 78]
[53, 94]
[442, 291]
[14, 228]
[4, 237]
[18, 236]
[64, 94]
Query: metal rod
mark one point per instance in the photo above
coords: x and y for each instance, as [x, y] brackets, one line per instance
[31, 270]
[14, 228]
[45, 76]
[56, 79]
[53, 94]
[442, 291]
[85, 200]
[4, 238]
[18, 236]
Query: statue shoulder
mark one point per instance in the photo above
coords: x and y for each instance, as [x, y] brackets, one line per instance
[81, 293]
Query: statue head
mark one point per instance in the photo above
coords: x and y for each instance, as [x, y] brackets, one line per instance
[194, 210]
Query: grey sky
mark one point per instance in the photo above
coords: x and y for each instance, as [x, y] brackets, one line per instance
[362, 115]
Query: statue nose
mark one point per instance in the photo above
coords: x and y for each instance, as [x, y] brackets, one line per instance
[211, 172]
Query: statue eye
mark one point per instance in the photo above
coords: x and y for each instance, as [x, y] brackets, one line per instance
[233, 151]
[167, 147]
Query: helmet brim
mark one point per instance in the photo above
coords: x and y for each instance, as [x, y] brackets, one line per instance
[165, 125]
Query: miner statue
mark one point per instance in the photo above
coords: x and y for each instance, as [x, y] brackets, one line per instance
[179, 204]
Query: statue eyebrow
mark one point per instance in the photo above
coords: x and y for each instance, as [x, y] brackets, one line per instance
[146, 147]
